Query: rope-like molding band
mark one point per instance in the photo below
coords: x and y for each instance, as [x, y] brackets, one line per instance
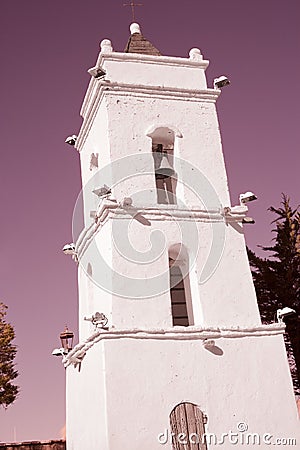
[175, 333]
[109, 209]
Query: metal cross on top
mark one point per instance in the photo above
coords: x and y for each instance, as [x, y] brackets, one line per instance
[133, 5]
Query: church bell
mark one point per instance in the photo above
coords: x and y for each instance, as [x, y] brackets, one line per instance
[164, 169]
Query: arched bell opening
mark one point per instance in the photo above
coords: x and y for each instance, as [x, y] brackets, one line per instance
[180, 290]
[163, 155]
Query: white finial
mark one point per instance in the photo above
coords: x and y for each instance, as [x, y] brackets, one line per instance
[135, 28]
[106, 46]
[195, 54]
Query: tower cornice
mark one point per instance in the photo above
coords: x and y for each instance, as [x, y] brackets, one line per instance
[99, 89]
[157, 60]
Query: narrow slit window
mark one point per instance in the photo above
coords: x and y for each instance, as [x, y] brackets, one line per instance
[178, 298]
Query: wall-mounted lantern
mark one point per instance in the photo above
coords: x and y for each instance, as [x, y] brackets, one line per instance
[66, 338]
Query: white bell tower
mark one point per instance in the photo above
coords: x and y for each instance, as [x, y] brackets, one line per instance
[170, 335]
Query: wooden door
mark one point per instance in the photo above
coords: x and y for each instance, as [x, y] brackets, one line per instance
[187, 427]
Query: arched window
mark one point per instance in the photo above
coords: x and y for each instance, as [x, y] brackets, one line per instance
[178, 299]
[180, 292]
[163, 154]
[188, 427]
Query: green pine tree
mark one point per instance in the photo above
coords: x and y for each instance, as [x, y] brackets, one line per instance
[8, 391]
[277, 278]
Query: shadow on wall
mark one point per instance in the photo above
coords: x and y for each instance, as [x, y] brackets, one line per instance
[215, 350]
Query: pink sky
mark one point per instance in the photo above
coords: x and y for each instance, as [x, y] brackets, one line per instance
[46, 49]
